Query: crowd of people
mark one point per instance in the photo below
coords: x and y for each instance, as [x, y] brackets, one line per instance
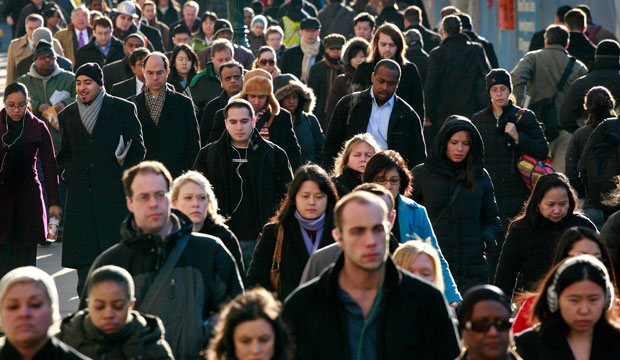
[342, 183]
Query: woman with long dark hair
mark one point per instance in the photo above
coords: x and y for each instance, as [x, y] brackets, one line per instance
[533, 235]
[23, 217]
[302, 225]
[458, 195]
[204, 38]
[183, 66]
[578, 320]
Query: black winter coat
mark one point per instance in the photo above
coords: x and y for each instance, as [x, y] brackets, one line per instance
[271, 173]
[124, 89]
[319, 81]
[281, 133]
[500, 160]
[610, 234]
[391, 15]
[431, 39]
[294, 254]
[347, 181]
[471, 223]
[54, 349]
[174, 141]
[351, 117]
[229, 239]
[293, 57]
[489, 51]
[528, 250]
[604, 72]
[95, 206]
[409, 89]
[456, 64]
[336, 18]
[204, 87]
[115, 72]
[91, 53]
[580, 47]
[414, 320]
[575, 148]
[208, 115]
[420, 58]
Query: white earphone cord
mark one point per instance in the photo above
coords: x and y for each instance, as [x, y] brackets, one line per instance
[8, 146]
[239, 174]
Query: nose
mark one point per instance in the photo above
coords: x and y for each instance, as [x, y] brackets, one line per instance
[492, 330]
[584, 308]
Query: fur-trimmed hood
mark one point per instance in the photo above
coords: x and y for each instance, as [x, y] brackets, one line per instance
[258, 82]
[307, 99]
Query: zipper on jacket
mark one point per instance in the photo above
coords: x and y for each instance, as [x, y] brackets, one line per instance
[172, 289]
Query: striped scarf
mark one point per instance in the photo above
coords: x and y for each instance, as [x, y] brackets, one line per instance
[90, 112]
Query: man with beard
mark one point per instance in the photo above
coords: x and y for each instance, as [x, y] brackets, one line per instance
[100, 137]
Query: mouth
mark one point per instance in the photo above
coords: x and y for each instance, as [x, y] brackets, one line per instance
[155, 216]
[196, 213]
[373, 256]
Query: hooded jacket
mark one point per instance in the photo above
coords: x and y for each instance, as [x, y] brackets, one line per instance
[471, 222]
[142, 336]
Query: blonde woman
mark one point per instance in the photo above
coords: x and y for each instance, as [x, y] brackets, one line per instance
[351, 162]
[421, 259]
[193, 195]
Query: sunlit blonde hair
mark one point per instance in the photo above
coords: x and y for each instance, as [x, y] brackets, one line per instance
[201, 181]
[343, 156]
[408, 251]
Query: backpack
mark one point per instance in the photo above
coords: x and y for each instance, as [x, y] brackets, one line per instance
[602, 163]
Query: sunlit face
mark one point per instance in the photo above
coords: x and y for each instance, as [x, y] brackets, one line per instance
[155, 73]
[131, 44]
[26, 314]
[291, 102]
[258, 28]
[384, 83]
[109, 306]
[499, 95]
[390, 179]
[258, 101]
[45, 64]
[103, 35]
[95, 5]
[267, 61]
[79, 19]
[423, 266]
[334, 53]
[274, 40]
[208, 27]
[148, 11]
[183, 63]
[363, 30]
[15, 105]
[310, 201]
[231, 80]
[219, 58]
[86, 88]
[138, 69]
[31, 26]
[189, 15]
[254, 340]
[247, 17]
[124, 22]
[150, 202]
[387, 47]
[361, 152]
[239, 126]
[359, 58]
[192, 201]
[490, 344]
[458, 146]
[554, 205]
[586, 246]
[309, 35]
[581, 305]
[181, 38]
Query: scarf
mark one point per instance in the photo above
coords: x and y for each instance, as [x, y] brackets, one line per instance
[310, 51]
[316, 226]
[90, 112]
[334, 68]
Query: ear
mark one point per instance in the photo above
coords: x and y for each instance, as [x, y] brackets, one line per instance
[337, 237]
[392, 218]
[129, 203]
[132, 303]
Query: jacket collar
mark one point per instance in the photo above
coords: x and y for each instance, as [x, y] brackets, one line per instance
[131, 234]
[460, 37]
[605, 62]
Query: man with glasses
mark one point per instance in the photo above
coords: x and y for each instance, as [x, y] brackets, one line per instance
[380, 112]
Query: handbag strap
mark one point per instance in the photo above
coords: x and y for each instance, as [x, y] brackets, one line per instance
[564, 78]
[456, 192]
[277, 253]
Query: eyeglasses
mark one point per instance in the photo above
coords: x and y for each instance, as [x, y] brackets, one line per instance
[16, 107]
[271, 62]
[485, 325]
[383, 181]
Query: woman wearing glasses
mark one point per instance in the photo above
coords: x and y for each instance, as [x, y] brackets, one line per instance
[23, 217]
[387, 168]
[267, 60]
[458, 194]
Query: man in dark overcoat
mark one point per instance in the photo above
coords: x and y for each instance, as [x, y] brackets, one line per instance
[100, 138]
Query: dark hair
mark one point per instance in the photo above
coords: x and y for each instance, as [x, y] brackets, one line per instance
[231, 64]
[575, 234]
[237, 104]
[393, 32]
[306, 173]
[153, 167]
[209, 15]
[255, 304]
[600, 104]
[468, 176]
[50, 12]
[115, 274]
[15, 87]
[364, 17]
[556, 35]
[465, 21]
[575, 20]
[529, 214]
[104, 22]
[384, 161]
[257, 6]
[413, 14]
[562, 10]
[451, 24]
[137, 54]
[159, 54]
[376, 189]
[180, 29]
[586, 10]
[388, 63]
[191, 54]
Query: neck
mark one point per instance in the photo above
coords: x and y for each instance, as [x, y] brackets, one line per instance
[155, 92]
[165, 230]
[240, 144]
[497, 109]
[28, 351]
[198, 226]
[353, 277]
[183, 76]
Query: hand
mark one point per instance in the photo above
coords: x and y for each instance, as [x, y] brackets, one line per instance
[454, 304]
[511, 129]
[427, 122]
[44, 107]
[59, 107]
[56, 211]
[9, 20]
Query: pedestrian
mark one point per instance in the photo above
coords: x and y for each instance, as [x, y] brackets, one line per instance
[484, 321]
[415, 52]
[103, 49]
[250, 327]
[290, 21]
[273, 38]
[110, 327]
[387, 168]
[135, 84]
[223, 30]
[205, 86]
[300, 227]
[267, 60]
[21, 47]
[91, 163]
[413, 19]
[193, 194]
[168, 119]
[364, 25]
[389, 13]
[299, 100]
[302, 54]
[204, 37]
[324, 72]
[458, 194]
[77, 34]
[120, 70]
[421, 259]
[579, 45]
[183, 67]
[351, 162]
[28, 309]
[489, 51]
[575, 305]
[256, 36]
[533, 235]
[24, 219]
[364, 304]
[337, 18]
[149, 12]
[181, 276]
[42, 33]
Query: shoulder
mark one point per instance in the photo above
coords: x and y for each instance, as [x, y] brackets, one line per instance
[403, 105]
[577, 219]
[410, 203]
[124, 104]
[66, 352]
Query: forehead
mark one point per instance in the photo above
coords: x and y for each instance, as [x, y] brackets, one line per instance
[489, 309]
[181, 34]
[99, 27]
[386, 73]
[230, 70]
[79, 12]
[238, 113]
[363, 23]
[154, 63]
[84, 78]
[148, 181]
[358, 214]
[385, 38]
[133, 42]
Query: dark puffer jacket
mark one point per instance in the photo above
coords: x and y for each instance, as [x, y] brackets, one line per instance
[471, 222]
[528, 250]
[141, 338]
[347, 181]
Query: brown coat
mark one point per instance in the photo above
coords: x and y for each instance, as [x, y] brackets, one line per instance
[69, 43]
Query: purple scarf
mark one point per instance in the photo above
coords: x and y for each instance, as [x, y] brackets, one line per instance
[311, 225]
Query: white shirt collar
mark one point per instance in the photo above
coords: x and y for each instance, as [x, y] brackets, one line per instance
[138, 85]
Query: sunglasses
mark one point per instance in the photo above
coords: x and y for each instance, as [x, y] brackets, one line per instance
[267, 61]
[485, 325]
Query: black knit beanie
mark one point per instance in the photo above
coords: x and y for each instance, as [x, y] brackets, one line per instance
[498, 76]
[92, 70]
[480, 293]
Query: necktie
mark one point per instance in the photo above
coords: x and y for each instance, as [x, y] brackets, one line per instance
[143, 88]
[81, 40]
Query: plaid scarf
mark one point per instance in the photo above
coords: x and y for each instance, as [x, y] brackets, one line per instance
[155, 103]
